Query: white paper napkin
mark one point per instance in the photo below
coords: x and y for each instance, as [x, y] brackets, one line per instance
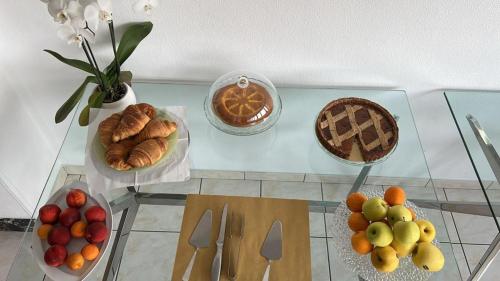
[174, 168]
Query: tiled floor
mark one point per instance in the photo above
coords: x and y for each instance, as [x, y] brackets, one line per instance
[153, 242]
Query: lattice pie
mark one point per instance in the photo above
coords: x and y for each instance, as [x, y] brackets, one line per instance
[356, 129]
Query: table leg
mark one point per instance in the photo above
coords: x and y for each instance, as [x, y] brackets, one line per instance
[360, 179]
[486, 260]
[122, 234]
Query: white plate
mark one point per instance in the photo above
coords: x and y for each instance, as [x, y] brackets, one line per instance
[171, 158]
[75, 245]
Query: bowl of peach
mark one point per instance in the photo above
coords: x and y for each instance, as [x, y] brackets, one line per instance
[383, 236]
[71, 233]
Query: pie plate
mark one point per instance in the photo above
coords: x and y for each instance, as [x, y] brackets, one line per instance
[171, 158]
[75, 245]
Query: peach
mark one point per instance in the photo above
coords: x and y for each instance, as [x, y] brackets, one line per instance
[76, 198]
[59, 235]
[96, 232]
[49, 213]
[95, 214]
[69, 216]
[55, 255]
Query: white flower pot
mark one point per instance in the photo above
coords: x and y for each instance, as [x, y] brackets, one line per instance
[121, 104]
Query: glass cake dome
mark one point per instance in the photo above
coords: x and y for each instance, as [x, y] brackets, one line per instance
[242, 103]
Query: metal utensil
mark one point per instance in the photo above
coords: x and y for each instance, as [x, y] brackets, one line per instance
[216, 264]
[272, 248]
[236, 232]
[200, 238]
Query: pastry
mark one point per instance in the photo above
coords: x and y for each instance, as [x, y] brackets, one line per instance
[156, 128]
[242, 107]
[148, 109]
[117, 154]
[356, 129]
[106, 128]
[132, 122]
[148, 152]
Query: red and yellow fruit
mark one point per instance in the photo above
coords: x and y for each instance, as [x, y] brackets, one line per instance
[95, 214]
[76, 198]
[96, 232]
[69, 216]
[55, 255]
[59, 235]
[49, 214]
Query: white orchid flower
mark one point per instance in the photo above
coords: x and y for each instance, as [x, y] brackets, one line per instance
[98, 11]
[64, 10]
[74, 35]
[145, 6]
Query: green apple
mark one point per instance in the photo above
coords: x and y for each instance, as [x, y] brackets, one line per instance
[427, 230]
[379, 234]
[384, 259]
[402, 250]
[406, 232]
[428, 257]
[398, 213]
[375, 209]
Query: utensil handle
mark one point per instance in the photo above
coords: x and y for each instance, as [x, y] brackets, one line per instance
[187, 273]
[266, 274]
[216, 265]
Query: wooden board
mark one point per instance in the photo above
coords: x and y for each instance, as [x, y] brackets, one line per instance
[259, 214]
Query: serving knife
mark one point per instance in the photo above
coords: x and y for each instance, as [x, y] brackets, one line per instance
[216, 264]
[272, 248]
[200, 238]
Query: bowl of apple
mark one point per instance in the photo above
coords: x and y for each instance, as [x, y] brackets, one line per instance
[383, 236]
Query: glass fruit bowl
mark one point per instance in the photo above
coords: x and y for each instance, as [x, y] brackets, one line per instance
[242, 103]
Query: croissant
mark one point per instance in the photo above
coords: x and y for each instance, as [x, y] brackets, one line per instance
[147, 152]
[117, 154]
[106, 128]
[156, 128]
[148, 109]
[132, 122]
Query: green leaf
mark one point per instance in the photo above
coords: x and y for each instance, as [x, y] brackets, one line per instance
[66, 108]
[125, 77]
[85, 66]
[134, 34]
[83, 120]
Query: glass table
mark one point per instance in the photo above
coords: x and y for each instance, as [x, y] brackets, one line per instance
[476, 116]
[283, 162]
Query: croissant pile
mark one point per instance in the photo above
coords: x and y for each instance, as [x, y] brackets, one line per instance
[135, 138]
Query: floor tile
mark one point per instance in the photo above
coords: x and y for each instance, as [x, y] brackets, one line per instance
[291, 190]
[450, 227]
[75, 169]
[475, 229]
[214, 174]
[337, 192]
[319, 260]
[9, 243]
[187, 187]
[473, 254]
[249, 188]
[376, 180]
[149, 256]
[337, 268]
[450, 183]
[330, 178]
[317, 224]
[465, 195]
[274, 176]
[461, 261]
[24, 267]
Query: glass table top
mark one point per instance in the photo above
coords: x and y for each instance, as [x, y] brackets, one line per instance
[284, 162]
[483, 106]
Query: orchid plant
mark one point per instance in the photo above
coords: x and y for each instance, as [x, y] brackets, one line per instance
[79, 21]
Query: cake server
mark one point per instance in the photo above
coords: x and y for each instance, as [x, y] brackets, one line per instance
[272, 248]
[216, 264]
[200, 238]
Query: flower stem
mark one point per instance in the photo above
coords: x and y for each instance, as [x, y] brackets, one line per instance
[93, 66]
[113, 42]
[105, 85]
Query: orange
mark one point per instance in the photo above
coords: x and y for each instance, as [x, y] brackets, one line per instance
[78, 229]
[90, 252]
[360, 243]
[355, 201]
[395, 195]
[43, 231]
[413, 214]
[75, 261]
[357, 222]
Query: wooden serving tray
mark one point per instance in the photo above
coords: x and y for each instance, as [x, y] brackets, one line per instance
[259, 214]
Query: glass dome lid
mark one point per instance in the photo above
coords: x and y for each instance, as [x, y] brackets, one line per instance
[242, 103]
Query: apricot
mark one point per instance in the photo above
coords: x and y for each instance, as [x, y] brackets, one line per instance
[43, 231]
[75, 261]
[78, 229]
[90, 252]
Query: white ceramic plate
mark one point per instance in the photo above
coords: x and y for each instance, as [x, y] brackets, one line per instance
[75, 245]
[171, 158]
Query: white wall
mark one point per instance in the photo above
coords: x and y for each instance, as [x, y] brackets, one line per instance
[421, 46]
